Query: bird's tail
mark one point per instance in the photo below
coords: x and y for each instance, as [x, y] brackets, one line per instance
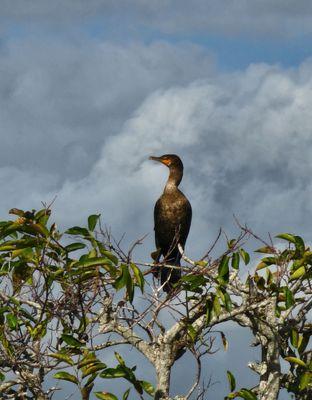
[170, 276]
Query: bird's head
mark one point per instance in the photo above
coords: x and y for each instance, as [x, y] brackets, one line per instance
[170, 160]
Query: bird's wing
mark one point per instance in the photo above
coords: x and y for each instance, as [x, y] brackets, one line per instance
[156, 219]
[186, 222]
[156, 212]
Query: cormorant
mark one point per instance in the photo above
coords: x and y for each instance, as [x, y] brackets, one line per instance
[172, 217]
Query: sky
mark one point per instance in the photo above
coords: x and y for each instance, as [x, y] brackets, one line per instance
[89, 90]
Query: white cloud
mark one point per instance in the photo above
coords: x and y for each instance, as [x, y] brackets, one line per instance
[59, 100]
[244, 137]
[80, 122]
[245, 141]
[24, 189]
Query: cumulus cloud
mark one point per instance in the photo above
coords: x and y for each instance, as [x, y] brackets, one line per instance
[80, 122]
[245, 141]
[59, 100]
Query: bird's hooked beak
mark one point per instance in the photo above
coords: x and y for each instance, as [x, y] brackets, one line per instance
[160, 159]
[154, 158]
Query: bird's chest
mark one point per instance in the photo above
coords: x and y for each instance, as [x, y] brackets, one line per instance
[171, 207]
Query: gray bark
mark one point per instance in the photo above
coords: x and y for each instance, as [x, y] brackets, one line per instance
[265, 328]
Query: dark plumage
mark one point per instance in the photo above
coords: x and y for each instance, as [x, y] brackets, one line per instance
[172, 217]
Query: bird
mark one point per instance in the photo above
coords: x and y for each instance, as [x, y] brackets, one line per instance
[172, 221]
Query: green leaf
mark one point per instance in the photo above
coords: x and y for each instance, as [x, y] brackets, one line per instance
[266, 262]
[75, 246]
[299, 244]
[6, 344]
[110, 256]
[7, 247]
[216, 306]
[247, 394]
[41, 229]
[125, 280]
[265, 250]
[119, 359]
[296, 360]
[299, 341]
[201, 263]
[227, 302]
[130, 288]
[298, 273]
[294, 338]
[22, 271]
[65, 376]
[191, 332]
[261, 265]
[43, 216]
[231, 396]
[223, 270]
[126, 394]
[12, 321]
[86, 390]
[16, 211]
[289, 298]
[39, 330]
[298, 263]
[148, 387]
[270, 278]
[305, 380]
[231, 243]
[90, 262]
[121, 281]
[86, 276]
[88, 359]
[235, 261]
[245, 256]
[77, 230]
[138, 276]
[209, 305]
[15, 301]
[225, 298]
[194, 280]
[98, 366]
[260, 281]
[92, 221]
[92, 254]
[25, 254]
[287, 236]
[302, 344]
[105, 396]
[62, 357]
[110, 373]
[71, 341]
[2, 377]
[137, 385]
[231, 380]
[91, 379]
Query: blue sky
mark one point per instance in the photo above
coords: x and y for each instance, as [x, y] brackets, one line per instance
[89, 90]
[231, 52]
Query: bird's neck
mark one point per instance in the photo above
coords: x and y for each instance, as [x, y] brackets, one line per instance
[174, 179]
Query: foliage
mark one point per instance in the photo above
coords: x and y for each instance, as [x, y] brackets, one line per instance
[53, 282]
[63, 294]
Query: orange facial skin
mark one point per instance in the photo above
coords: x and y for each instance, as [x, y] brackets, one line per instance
[166, 161]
